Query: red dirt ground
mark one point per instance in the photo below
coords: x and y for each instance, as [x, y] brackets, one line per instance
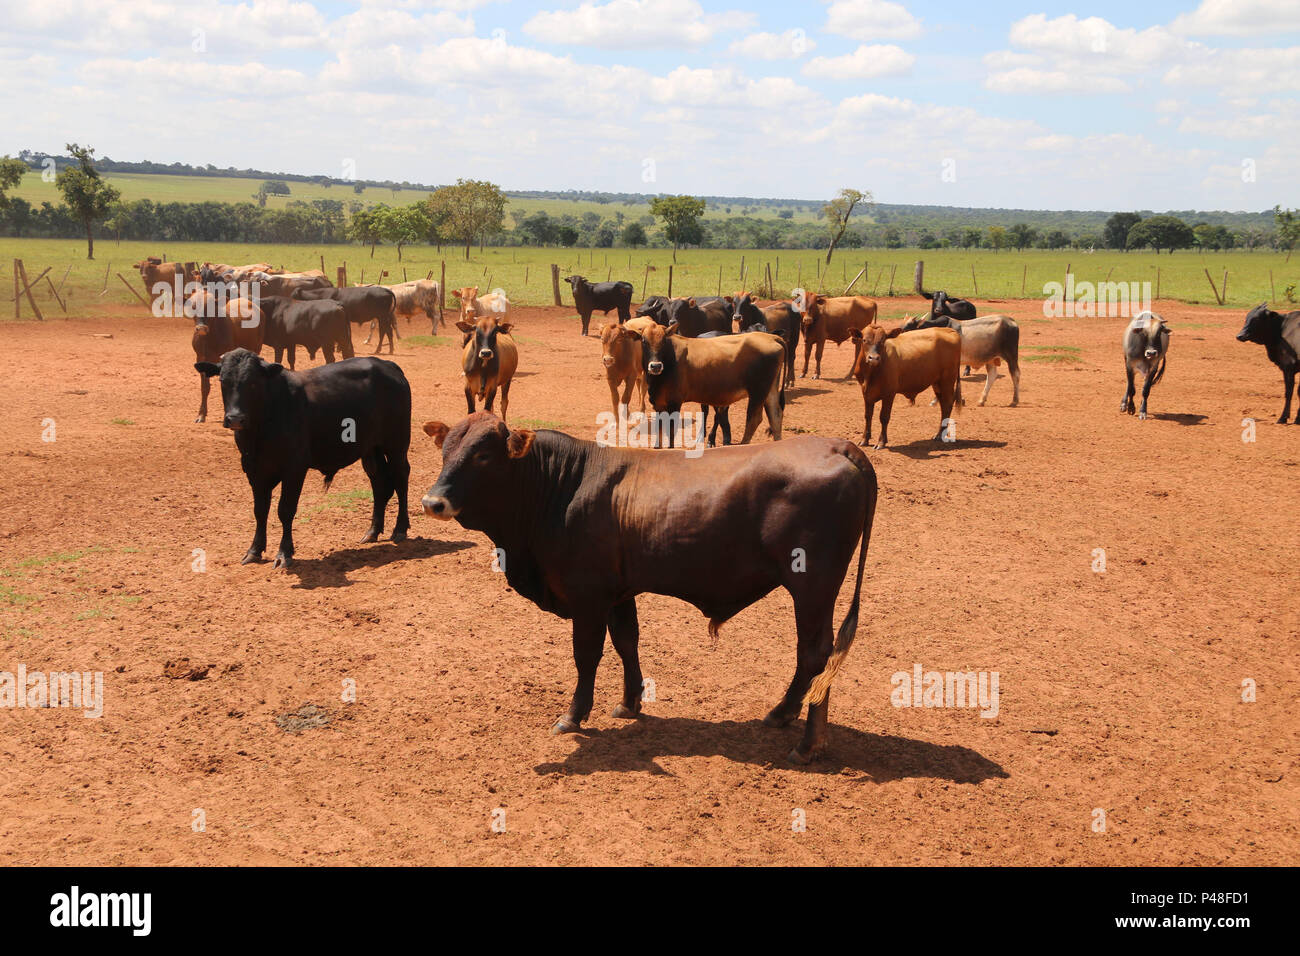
[1120, 691]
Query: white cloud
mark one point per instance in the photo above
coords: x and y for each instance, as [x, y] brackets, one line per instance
[1240, 18]
[1241, 72]
[869, 20]
[864, 63]
[1024, 80]
[789, 45]
[632, 24]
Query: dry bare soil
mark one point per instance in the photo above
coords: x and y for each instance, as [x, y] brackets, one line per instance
[1120, 691]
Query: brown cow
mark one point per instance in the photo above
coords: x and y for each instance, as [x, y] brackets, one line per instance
[217, 331]
[289, 282]
[473, 306]
[905, 363]
[585, 529]
[489, 361]
[621, 354]
[714, 372]
[834, 319]
[160, 279]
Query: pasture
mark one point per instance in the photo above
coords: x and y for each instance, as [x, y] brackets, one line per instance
[524, 272]
[227, 687]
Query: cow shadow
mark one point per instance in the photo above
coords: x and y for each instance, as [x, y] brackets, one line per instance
[883, 757]
[331, 570]
[925, 449]
[1181, 418]
[800, 391]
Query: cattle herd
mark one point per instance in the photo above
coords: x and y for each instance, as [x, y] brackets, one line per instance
[580, 524]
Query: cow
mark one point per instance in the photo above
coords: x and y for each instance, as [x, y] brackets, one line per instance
[164, 278]
[621, 356]
[714, 372]
[779, 318]
[987, 341]
[289, 282]
[655, 307]
[1280, 336]
[895, 362]
[419, 295]
[603, 297]
[1146, 346]
[373, 303]
[833, 319]
[313, 325]
[694, 316]
[324, 419]
[585, 529]
[489, 361]
[941, 305]
[218, 330]
[239, 273]
[473, 306]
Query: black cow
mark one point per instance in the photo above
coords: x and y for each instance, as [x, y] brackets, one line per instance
[779, 319]
[694, 316]
[313, 325]
[655, 307]
[371, 303]
[600, 297]
[941, 304]
[583, 531]
[326, 418]
[1280, 336]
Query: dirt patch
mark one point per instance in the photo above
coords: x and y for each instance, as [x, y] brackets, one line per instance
[1160, 689]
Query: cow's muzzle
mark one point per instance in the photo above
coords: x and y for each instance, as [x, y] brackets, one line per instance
[1242, 337]
[1150, 354]
[608, 360]
[438, 506]
[485, 354]
[234, 422]
[654, 368]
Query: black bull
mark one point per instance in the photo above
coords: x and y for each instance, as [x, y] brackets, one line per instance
[585, 529]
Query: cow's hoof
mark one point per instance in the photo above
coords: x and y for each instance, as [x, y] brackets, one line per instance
[802, 759]
[1282, 421]
[251, 555]
[203, 418]
[565, 726]
[879, 446]
[398, 536]
[777, 719]
[625, 712]
[371, 536]
[1142, 416]
[282, 560]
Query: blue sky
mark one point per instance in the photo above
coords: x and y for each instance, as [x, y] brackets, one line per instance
[1039, 104]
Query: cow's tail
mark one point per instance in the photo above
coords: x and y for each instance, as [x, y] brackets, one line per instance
[821, 684]
[1160, 372]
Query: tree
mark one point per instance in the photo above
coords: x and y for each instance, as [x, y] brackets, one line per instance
[331, 214]
[837, 213]
[1212, 237]
[681, 218]
[367, 227]
[11, 174]
[1161, 232]
[402, 225]
[469, 210]
[1115, 233]
[997, 238]
[970, 238]
[1288, 228]
[1056, 239]
[87, 193]
[1021, 235]
[633, 235]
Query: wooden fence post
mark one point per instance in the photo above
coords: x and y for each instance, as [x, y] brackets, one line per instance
[555, 282]
[342, 276]
[1023, 276]
[131, 288]
[1271, 288]
[973, 280]
[442, 288]
[670, 281]
[918, 279]
[31, 299]
[860, 274]
[18, 308]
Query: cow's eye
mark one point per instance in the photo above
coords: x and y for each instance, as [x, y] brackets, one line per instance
[482, 458]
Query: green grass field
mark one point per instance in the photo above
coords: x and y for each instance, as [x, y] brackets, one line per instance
[525, 272]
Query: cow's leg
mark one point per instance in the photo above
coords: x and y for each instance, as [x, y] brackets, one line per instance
[704, 425]
[290, 491]
[261, 508]
[588, 645]
[1288, 384]
[370, 332]
[505, 401]
[821, 347]
[625, 632]
[1127, 404]
[774, 410]
[990, 376]
[1146, 389]
[469, 398]
[205, 385]
[886, 409]
[870, 410]
[628, 384]
[586, 321]
[753, 417]
[380, 490]
[399, 475]
[807, 354]
[328, 351]
[613, 395]
[489, 396]
[813, 623]
[947, 397]
[391, 322]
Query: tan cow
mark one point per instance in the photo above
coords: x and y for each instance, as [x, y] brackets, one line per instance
[905, 363]
[420, 295]
[621, 354]
[473, 305]
[160, 278]
[834, 319]
[489, 361]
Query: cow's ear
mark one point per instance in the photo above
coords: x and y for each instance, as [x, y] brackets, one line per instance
[671, 327]
[437, 431]
[632, 332]
[505, 327]
[894, 333]
[272, 368]
[855, 335]
[519, 441]
[464, 326]
[691, 302]
[207, 368]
